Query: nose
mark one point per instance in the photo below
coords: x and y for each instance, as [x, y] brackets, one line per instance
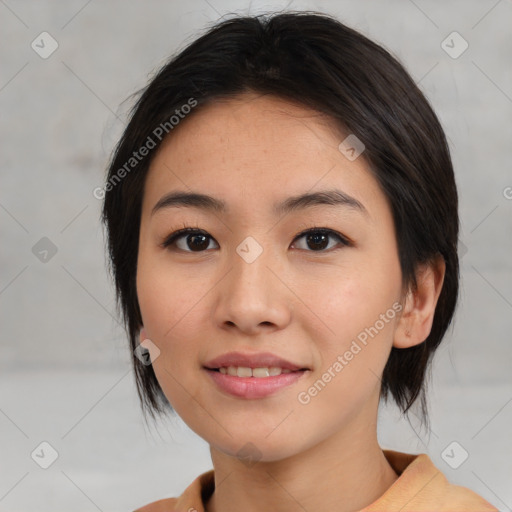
[253, 297]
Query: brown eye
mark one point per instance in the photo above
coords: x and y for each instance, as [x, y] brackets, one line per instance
[318, 239]
[195, 240]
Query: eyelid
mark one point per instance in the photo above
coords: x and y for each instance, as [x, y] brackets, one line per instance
[188, 230]
[332, 232]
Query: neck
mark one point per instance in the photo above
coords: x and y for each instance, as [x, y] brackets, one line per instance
[345, 472]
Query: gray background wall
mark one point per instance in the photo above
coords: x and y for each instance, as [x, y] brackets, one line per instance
[64, 363]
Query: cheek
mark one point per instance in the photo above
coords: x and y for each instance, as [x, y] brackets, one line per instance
[167, 302]
[353, 345]
[352, 313]
[155, 304]
[352, 298]
[165, 310]
[170, 313]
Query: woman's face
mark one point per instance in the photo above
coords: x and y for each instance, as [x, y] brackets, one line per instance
[250, 284]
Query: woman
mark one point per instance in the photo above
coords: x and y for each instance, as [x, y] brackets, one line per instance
[282, 225]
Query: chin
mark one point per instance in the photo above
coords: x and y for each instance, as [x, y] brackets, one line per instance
[252, 449]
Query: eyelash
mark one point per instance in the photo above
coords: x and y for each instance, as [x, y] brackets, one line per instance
[173, 237]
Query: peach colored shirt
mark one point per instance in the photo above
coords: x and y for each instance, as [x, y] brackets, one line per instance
[420, 487]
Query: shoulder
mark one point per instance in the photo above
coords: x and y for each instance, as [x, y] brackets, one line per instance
[422, 487]
[445, 495]
[165, 505]
[456, 497]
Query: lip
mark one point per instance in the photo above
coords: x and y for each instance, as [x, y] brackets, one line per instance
[254, 387]
[259, 360]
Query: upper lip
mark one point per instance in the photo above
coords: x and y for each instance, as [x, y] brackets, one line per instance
[260, 360]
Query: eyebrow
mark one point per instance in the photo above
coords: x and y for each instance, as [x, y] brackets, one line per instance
[332, 197]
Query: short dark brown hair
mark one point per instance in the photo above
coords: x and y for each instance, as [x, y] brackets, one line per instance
[316, 61]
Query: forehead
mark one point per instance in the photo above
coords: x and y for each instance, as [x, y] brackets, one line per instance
[253, 150]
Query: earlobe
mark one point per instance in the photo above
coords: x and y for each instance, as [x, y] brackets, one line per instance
[142, 335]
[417, 317]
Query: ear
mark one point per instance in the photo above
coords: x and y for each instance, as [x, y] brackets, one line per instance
[142, 335]
[416, 320]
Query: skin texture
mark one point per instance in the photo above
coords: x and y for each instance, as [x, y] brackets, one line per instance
[302, 303]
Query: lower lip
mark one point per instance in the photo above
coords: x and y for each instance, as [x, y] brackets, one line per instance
[254, 387]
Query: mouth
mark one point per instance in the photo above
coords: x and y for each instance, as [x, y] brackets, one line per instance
[246, 364]
[253, 383]
[251, 375]
[257, 373]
